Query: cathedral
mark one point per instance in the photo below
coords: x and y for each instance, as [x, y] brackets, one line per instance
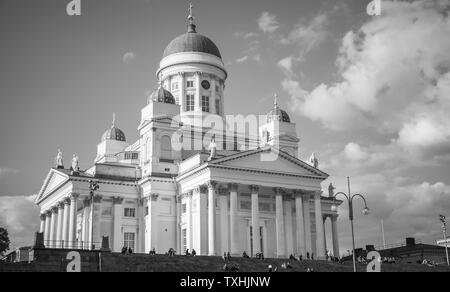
[193, 180]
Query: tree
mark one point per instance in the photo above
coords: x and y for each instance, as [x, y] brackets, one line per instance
[4, 240]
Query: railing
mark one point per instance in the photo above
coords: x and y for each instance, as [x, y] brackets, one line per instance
[78, 244]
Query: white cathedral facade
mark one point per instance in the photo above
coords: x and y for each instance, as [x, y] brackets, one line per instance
[214, 197]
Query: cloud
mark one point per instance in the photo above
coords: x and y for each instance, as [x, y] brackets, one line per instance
[389, 80]
[20, 216]
[286, 64]
[245, 35]
[307, 35]
[128, 57]
[242, 60]
[268, 23]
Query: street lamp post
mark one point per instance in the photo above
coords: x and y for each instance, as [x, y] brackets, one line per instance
[365, 211]
[93, 186]
[444, 231]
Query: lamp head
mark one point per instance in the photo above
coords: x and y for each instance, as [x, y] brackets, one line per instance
[366, 211]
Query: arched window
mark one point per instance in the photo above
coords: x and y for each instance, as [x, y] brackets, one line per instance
[166, 148]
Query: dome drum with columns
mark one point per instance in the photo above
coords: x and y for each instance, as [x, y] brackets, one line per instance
[151, 194]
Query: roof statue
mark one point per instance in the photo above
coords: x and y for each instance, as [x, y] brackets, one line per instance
[331, 189]
[74, 166]
[59, 160]
[313, 160]
[212, 148]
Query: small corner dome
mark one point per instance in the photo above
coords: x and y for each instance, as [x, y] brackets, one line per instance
[114, 133]
[161, 95]
[277, 114]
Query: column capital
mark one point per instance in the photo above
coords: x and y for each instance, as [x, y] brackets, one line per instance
[181, 74]
[253, 188]
[48, 213]
[42, 216]
[66, 201]
[317, 194]
[277, 191]
[223, 191]
[211, 184]
[74, 196]
[233, 187]
[98, 198]
[201, 189]
[153, 197]
[178, 198]
[54, 209]
[117, 200]
[60, 205]
[187, 194]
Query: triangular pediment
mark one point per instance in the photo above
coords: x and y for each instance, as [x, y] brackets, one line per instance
[270, 160]
[53, 181]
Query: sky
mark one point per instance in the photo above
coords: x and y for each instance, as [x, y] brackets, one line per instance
[369, 94]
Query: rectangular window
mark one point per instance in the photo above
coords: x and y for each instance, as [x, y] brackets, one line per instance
[129, 239]
[129, 212]
[218, 106]
[190, 84]
[183, 208]
[205, 104]
[146, 211]
[189, 102]
[217, 88]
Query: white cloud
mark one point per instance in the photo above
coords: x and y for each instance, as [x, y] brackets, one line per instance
[268, 23]
[307, 35]
[394, 78]
[128, 57]
[245, 35]
[20, 216]
[286, 64]
[242, 60]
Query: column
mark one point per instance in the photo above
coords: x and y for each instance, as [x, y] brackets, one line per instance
[288, 225]
[212, 102]
[117, 224]
[279, 223]
[188, 197]
[48, 218]
[59, 231]
[53, 226]
[151, 224]
[334, 232]
[300, 232]
[255, 219]
[72, 220]
[96, 221]
[86, 223]
[140, 247]
[198, 98]
[325, 233]
[234, 230]
[307, 215]
[224, 235]
[211, 218]
[42, 220]
[320, 245]
[178, 227]
[200, 222]
[66, 215]
[182, 98]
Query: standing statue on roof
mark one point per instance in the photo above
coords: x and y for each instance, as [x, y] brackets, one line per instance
[212, 148]
[59, 159]
[313, 160]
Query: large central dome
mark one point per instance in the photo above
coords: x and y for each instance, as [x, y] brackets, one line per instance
[192, 42]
